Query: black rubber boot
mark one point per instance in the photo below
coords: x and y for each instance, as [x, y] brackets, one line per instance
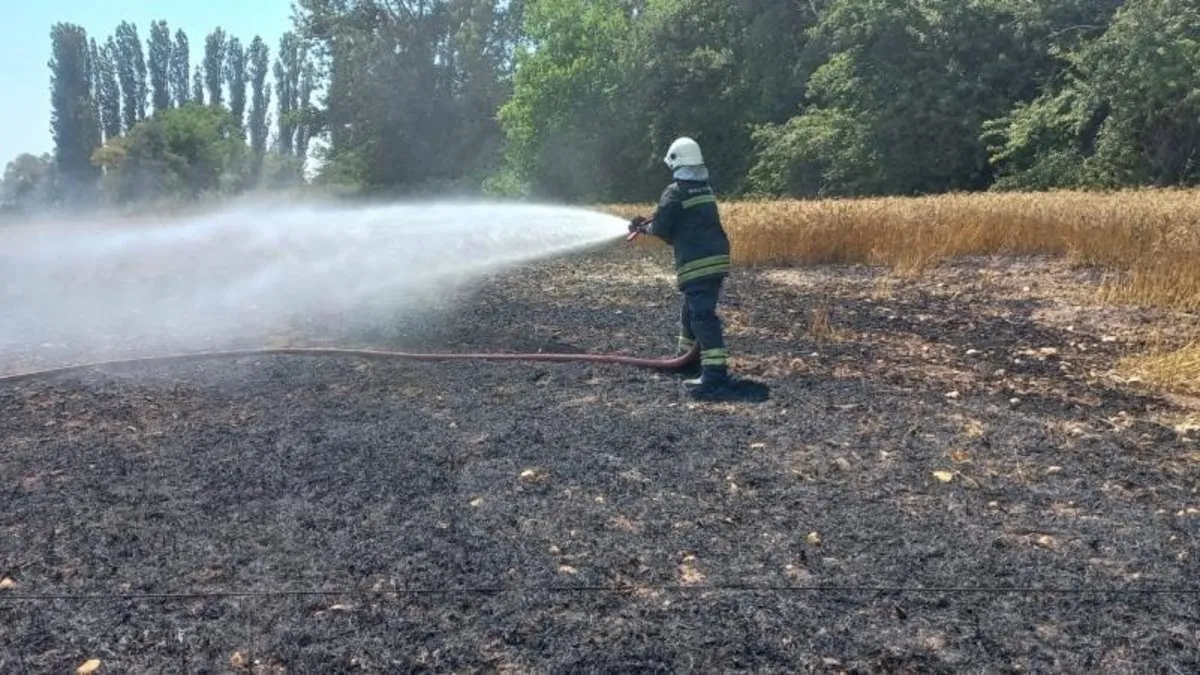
[711, 380]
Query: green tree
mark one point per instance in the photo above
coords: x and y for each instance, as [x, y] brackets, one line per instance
[304, 113]
[180, 153]
[214, 60]
[1146, 70]
[180, 69]
[131, 72]
[260, 102]
[160, 64]
[235, 76]
[73, 123]
[908, 86]
[826, 151]
[566, 100]
[287, 88]
[410, 90]
[1058, 26]
[771, 54]
[27, 182]
[198, 86]
[694, 60]
[1125, 110]
[94, 81]
[108, 89]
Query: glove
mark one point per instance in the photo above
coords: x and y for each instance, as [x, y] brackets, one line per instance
[638, 224]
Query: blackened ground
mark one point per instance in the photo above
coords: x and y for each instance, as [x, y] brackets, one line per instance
[297, 474]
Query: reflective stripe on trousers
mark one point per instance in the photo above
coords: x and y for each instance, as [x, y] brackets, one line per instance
[699, 322]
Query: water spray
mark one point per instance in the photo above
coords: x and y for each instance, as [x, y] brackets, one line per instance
[238, 273]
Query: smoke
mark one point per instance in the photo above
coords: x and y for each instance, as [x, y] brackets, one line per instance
[244, 275]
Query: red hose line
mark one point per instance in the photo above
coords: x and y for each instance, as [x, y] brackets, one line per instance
[676, 363]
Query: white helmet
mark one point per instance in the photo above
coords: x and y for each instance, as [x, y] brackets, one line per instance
[684, 152]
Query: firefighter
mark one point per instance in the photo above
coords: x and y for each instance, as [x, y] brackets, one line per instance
[688, 220]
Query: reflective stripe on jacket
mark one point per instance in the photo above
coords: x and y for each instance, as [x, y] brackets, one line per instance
[689, 221]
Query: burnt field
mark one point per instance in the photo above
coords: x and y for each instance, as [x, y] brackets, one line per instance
[926, 445]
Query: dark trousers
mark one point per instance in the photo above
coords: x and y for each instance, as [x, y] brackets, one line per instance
[699, 322]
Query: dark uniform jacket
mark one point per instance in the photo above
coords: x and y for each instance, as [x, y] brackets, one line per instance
[688, 220]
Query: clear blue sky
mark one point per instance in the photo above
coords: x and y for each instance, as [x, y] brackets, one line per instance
[25, 48]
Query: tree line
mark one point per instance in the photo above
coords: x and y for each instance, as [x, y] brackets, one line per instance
[576, 100]
[133, 121]
[807, 98]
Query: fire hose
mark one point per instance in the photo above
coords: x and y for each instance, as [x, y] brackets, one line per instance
[664, 364]
[670, 364]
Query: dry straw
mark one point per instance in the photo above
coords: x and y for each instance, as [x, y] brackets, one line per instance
[1150, 238]
[1175, 370]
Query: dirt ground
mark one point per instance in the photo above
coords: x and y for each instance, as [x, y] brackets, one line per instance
[925, 443]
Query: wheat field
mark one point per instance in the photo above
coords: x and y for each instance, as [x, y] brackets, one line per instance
[1148, 239]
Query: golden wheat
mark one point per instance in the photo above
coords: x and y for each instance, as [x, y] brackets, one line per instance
[1150, 239]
